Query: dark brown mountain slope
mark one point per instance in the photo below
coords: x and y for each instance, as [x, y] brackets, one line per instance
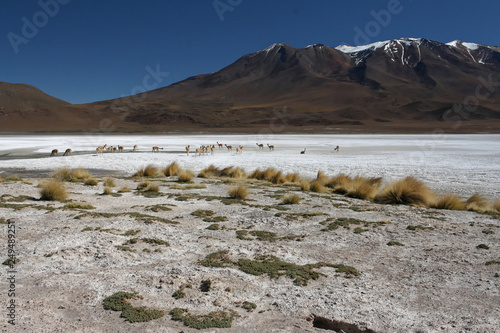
[400, 85]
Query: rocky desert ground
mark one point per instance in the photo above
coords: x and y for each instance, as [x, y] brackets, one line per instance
[192, 257]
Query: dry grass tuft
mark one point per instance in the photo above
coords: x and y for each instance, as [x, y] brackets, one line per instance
[291, 199]
[278, 178]
[53, 190]
[172, 169]
[305, 184]
[317, 187]
[496, 205]
[238, 192]
[107, 191]
[338, 180]
[269, 174]
[124, 189]
[109, 182]
[362, 188]
[62, 175]
[449, 201]
[80, 174]
[67, 175]
[407, 191]
[185, 176]
[148, 187]
[90, 182]
[148, 171]
[477, 203]
[210, 171]
[322, 178]
[292, 177]
[233, 172]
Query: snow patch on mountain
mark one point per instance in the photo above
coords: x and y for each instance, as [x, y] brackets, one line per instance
[355, 49]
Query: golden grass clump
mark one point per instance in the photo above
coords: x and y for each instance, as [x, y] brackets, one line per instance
[407, 191]
[363, 188]
[62, 175]
[317, 187]
[148, 171]
[322, 178]
[124, 189]
[185, 176]
[477, 203]
[80, 174]
[496, 205]
[107, 191]
[67, 175]
[90, 182]
[172, 169]
[305, 184]
[53, 190]
[1, 180]
[449, 201]
[340, 179]
[238, 192]
[257, 174]
[109, 182]
[210, 171]
[269, 174]
[233, 172]
[148, 187]
[291, 199]
[292, 177]
[278, 178]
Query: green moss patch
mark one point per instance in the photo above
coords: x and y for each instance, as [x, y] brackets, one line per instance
[249, 306]
[202, 213]
[346, 222]
[138, 216]
[418, 227]
[263, 235]
[219, 319]
[275, 267]
[297, 216]
[119, 302]
[394, 243]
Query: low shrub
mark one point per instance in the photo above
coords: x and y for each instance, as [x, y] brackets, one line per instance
[210, 171]
[291, 199]
[148, 171]
[322, 178]
[407, 191]
[292, 177]
[148, 187]
[172, 169]
[109, 182]
[185, 176]
[238, 192]
[496, 205]
[363, 188]
[449, 201]
[317, 187]
[305, 184]
[477, 203]
[53, 190]
[90, 182]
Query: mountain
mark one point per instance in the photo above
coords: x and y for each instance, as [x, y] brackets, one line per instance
[401, 85]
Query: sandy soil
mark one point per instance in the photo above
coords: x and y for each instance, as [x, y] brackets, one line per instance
[436, 282]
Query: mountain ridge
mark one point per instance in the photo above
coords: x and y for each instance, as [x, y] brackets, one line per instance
[383, 86]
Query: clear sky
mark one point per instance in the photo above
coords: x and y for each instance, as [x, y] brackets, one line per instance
[87, 50]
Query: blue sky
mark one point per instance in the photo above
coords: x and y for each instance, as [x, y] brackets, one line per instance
[87, 50]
